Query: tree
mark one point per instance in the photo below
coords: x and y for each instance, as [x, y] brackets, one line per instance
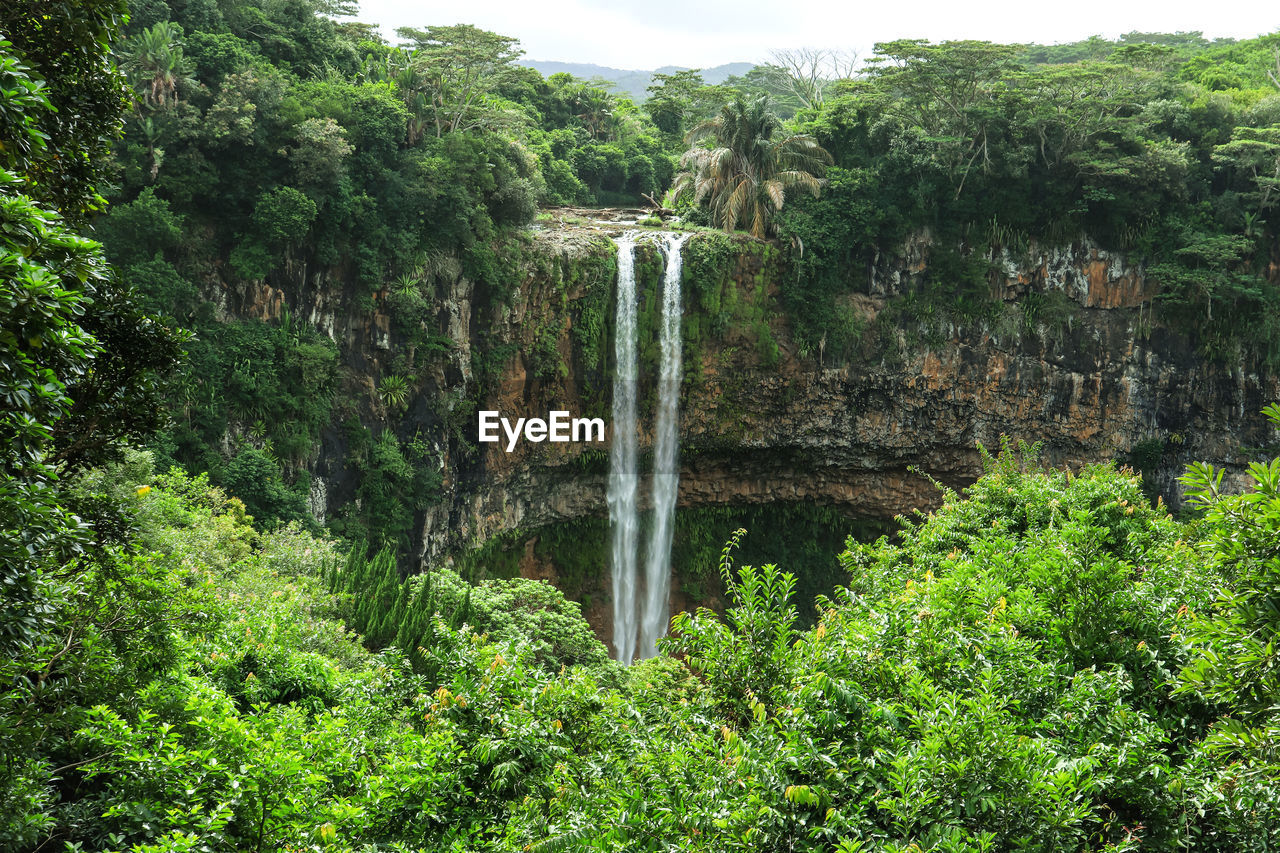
[460, 67]
[79, 361]
[154, 57]
[1254, 153]
[47, 276]
[596, 111]
[283, 216]
[751, 165]
[948, 93]
[66, 43]
[1237, 667]
[254, 477]
[807, 73]
[320, 147]
[671, 97]
[677, 101]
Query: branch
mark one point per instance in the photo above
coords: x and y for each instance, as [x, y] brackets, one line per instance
[58, 770]
[657, 206]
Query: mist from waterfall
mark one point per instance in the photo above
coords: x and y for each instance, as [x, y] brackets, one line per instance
[666, 458]
[623, 476]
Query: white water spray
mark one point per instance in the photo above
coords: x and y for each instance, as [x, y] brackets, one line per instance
[638, 625]
[623, 479]
[666, 458]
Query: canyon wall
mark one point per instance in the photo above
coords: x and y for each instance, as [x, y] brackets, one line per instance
[1091, 384]
[1074, 356]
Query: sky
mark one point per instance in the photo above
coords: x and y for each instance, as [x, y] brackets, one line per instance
[703, 33]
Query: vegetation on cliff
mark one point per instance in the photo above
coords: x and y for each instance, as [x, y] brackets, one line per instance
[378, 174]
[1147, 145]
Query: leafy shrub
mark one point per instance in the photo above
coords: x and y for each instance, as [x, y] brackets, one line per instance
[254, 478]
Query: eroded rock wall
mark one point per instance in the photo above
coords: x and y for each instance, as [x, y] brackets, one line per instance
[1090, 379]
[1090, 384]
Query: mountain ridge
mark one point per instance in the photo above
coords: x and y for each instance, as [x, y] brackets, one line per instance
[633, 82]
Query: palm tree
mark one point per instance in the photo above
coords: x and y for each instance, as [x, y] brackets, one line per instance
[597, 111]
[155, 59]
[745, 174]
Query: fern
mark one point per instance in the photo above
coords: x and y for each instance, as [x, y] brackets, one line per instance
[566, 841]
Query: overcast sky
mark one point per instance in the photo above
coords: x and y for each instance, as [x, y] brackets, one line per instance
[646, 34]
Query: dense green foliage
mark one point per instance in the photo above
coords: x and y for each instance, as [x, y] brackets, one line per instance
[58, 145]
[1044, 663]
[387, 610]
[80, 369]
[80, 360]
[335, 160]
[345, 164]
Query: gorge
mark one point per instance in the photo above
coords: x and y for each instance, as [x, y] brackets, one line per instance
[1070, 357]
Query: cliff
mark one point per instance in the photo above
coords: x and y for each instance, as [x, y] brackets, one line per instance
[1092, 380]
[1068, 351]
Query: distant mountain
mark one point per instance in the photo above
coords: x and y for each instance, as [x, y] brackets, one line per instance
[715, 75]
[633, 83]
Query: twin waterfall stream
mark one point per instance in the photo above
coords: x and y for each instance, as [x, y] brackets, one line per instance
[639, 622]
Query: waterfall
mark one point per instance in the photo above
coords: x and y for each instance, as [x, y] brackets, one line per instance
[666, 458]
[637, 626]
[623, 479]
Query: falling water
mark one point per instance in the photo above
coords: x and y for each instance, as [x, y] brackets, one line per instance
[666, 458]
[623, 479]
[636, 627]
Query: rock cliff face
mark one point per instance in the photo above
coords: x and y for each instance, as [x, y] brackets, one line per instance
[1091, 383]
[1075, 357]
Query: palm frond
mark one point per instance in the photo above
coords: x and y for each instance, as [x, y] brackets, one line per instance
[776, 192]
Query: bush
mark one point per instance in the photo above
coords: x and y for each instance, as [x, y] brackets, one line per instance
[254, 478]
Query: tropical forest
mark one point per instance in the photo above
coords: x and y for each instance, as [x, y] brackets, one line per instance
[406, 449]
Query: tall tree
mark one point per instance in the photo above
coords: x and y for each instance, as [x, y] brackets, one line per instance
[461, 66]
[678, 101]
[154, 59]
[950, 93]
[749, 167]
[79, 360]
[66, 43]
[807, 73]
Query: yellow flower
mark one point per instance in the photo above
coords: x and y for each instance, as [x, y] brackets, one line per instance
[142, 490]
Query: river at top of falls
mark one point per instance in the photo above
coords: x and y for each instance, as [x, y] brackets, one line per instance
[638, 624]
